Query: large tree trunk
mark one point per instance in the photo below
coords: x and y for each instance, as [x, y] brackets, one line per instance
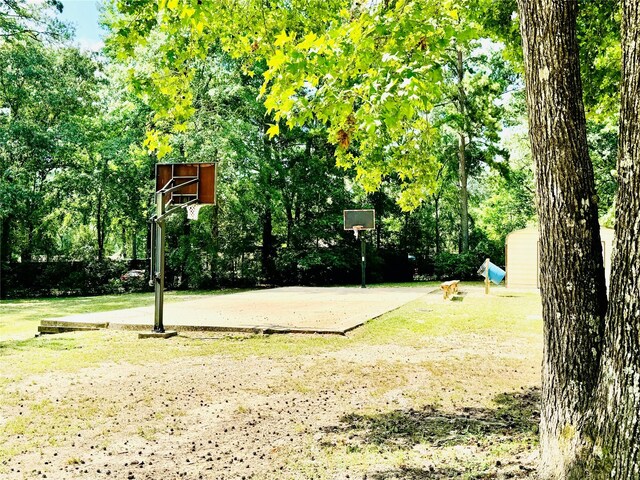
[617, 433]
[572, 276]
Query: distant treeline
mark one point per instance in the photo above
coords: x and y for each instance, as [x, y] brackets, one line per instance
[60, 278]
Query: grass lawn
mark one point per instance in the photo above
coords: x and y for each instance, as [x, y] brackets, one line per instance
[431, 390]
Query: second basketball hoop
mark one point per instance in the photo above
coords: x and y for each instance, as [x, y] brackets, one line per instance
[359, 221]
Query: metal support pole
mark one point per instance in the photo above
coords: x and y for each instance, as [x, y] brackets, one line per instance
[363, 248]
[159, 229]
[152, 253]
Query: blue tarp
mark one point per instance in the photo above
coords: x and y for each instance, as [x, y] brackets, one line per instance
[495, 273]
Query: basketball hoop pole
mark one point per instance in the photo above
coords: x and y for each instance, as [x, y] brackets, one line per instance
[160, 225]
[358, 230]
[359, 221]
[159, 247]
[363, 248]
[158, 256]
[178, 186]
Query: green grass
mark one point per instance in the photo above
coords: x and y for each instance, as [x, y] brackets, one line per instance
[414, 325]
[499, 314]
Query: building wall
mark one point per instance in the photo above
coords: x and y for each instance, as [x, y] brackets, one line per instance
[522, 257]
[607, 237]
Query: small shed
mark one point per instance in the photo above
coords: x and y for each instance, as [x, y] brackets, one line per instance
[522, 254]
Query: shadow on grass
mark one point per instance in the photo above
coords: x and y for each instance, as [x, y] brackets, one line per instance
[408, 473]
[515, 413]
[515, 418]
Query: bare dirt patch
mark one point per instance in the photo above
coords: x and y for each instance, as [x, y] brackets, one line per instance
[344, 415]
[432, 390]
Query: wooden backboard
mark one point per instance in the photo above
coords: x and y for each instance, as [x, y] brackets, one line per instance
[363, 218]
[204, 190]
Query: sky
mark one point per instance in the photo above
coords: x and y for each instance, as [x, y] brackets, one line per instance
[83, 14]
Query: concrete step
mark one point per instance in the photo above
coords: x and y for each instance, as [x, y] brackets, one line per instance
[55, 323]
[52, 329]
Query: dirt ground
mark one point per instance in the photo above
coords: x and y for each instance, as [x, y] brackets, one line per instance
[445, 409]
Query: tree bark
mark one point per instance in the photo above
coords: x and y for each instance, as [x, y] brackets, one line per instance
[215, 243]
[99, 227]
[571, 270]
[436, 204]
[5, 244]
[464, 196]
[462, 163]
[268, 246]
[290, 222]
[124, 242]
[184, 271]
[27, 250]
[134, 243]
[617, 430]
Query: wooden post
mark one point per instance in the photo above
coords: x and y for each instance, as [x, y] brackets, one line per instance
[487, 286]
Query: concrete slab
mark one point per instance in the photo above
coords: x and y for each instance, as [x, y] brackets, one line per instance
[165, 334]
[332, 310]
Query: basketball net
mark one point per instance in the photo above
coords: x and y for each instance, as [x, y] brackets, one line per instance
[356, 230]
[193, 210]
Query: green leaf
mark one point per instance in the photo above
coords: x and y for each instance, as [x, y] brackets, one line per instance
[273, 130]
[277, 59]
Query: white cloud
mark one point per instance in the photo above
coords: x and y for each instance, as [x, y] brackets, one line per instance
[90, 45]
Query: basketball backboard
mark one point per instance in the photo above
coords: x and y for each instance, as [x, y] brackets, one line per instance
[199, 177]
[362, 219]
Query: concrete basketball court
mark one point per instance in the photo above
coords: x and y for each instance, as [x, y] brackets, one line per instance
[333, 310]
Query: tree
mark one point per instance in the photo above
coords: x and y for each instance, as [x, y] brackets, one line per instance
[46, 97]
[592, 346]
[473, 109]
[20, 19]
[618, 398]
[279, 197]
[323, 57]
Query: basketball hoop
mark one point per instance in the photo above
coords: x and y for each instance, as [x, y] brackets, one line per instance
[193, 210]
[178, 186]
[356, 220]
